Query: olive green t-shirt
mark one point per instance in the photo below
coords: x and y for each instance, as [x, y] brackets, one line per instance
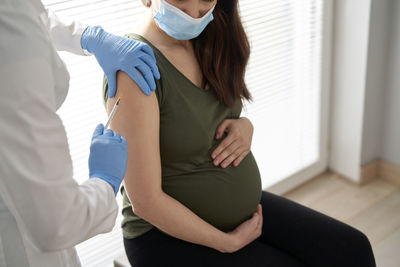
[189, 117]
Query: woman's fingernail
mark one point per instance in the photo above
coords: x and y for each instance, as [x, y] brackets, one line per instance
[213, 156]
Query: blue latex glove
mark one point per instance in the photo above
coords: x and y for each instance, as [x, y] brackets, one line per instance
[108, 156]
[116, 53]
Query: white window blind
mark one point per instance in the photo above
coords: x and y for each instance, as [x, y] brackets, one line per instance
[283, 77]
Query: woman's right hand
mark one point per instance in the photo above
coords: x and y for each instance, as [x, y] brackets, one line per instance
[246, 232]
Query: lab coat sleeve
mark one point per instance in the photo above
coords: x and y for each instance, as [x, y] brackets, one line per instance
[36, 181]
[66, 33]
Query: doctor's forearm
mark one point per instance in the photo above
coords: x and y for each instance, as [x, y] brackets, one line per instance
[66, 33]
[175, 219]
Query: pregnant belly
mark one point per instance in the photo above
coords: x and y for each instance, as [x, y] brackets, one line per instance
[223, 197]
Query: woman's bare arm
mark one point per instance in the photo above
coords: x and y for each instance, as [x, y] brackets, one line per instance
[138, 120]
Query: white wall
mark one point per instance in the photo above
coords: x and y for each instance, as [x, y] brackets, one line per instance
[349, 72]
[391, 116]
[365, 97]
[377, 69]
[381, 128]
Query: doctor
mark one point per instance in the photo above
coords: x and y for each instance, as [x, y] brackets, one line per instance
[44, 213]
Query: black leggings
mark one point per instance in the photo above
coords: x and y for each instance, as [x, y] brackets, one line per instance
[292, 235]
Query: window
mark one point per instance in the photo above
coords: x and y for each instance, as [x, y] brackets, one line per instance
[283, 76]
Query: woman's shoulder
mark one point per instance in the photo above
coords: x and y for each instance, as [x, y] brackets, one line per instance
[138, 37]
[161, 62]
[142, 37]
[160, 65]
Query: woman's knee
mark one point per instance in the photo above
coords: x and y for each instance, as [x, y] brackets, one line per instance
[361, 249]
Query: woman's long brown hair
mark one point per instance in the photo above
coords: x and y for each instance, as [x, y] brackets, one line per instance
[223, 51]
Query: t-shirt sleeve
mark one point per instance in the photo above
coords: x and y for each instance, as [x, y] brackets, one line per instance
[159, 91]
[105, 91]
[160, 94]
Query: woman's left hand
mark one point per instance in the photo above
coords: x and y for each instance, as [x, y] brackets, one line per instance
[237, 143]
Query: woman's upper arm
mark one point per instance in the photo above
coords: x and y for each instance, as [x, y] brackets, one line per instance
[137, 119]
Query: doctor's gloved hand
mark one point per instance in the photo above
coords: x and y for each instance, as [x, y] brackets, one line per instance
[108, 156]
[116, 53]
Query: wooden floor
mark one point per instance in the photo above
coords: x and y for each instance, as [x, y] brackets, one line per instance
[373, 208]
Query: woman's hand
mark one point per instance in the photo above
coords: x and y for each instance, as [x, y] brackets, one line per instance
[237, 143]
[246, 232]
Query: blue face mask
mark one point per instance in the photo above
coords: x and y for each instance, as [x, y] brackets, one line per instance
[178, 24]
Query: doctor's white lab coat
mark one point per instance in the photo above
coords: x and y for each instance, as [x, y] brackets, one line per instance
[44, 213]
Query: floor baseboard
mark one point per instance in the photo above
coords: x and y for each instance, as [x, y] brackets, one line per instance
[380, 169]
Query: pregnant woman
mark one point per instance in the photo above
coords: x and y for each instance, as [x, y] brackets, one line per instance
[184, 207]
